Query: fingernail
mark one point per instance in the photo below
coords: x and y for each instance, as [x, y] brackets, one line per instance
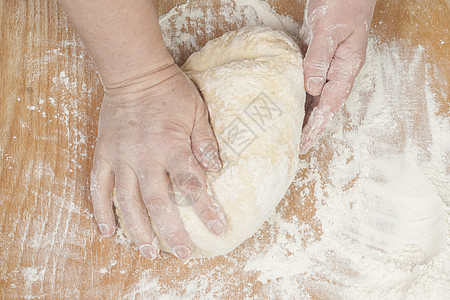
[216, 227]
[105, 230]
[148, 251]
[182, 252]
[314, 85]
[305, 145]
[216, 165]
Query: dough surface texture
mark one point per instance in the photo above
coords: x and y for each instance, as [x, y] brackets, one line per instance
[252, 82]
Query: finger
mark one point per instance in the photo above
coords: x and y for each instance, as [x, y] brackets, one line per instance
[134, 212]
[317, 61]
[310, 103]
[343, 70]
[319, 119]
[190, 179]
[102, 184]
[348, 60]
[204, 143]
[155, 186]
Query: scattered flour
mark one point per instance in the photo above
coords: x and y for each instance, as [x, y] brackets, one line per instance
[384, 210]
[231, 14]
[32, 274]
[383, 194]
[57, 225]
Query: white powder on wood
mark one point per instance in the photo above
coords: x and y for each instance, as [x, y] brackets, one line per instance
[383, 196]
[384, 216]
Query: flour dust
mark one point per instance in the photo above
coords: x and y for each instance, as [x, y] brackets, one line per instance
[383, 195]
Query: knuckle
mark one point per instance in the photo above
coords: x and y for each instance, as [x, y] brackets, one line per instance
[206, 210]
[191, 189]
[121, 200]
[124, 197]
[174, 129]
[315, 66]
[169, 141]
[345, 68]
[188, 182]
[156, 204]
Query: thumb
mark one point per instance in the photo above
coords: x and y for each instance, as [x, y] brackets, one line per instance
[317, 61]
[204, 143]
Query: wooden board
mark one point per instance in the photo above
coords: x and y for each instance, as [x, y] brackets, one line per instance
[50, 97]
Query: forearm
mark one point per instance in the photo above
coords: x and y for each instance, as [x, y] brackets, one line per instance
[122, 36]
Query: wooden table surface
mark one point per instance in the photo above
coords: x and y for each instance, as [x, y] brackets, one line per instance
[50, 97]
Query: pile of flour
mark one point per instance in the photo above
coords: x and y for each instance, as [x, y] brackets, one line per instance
[383, 194]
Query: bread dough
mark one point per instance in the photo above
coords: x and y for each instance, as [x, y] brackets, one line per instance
[252, 82]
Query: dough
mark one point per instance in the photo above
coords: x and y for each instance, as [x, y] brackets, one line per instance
[252, 82]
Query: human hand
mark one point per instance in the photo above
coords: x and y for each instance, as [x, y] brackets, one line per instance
[150, 128]
[336, 34]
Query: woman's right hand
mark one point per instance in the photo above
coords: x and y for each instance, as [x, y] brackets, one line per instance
[154, 128]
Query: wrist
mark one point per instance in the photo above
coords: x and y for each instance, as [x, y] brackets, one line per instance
[115, 70]
[142, 82]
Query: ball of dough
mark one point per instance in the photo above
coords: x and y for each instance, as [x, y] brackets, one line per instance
[252, 82]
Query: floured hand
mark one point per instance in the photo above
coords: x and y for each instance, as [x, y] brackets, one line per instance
[336, 34]
[153, 128]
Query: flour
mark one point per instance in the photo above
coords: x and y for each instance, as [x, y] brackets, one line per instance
[32, 274]
[380, 180]
[383, 216]
[232, 14]
[51, 233]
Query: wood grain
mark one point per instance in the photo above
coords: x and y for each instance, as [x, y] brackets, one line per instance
[50, 96]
